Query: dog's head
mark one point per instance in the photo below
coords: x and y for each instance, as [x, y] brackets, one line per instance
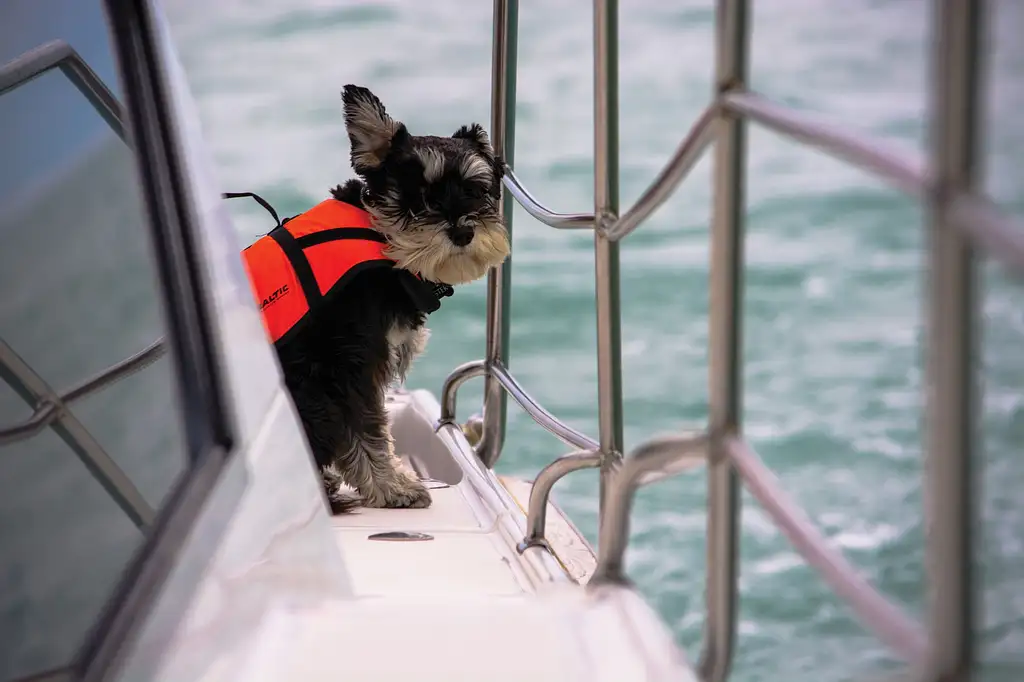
[436, 199]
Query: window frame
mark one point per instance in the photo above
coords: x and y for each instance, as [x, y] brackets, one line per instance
[146, 120]
[209, 428]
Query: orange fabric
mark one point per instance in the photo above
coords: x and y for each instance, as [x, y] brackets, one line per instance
[332, 260]
[278, 291]
[325, 215]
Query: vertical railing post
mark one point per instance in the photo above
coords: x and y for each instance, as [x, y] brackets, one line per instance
[725, 343]
[606, 252]
[499, 279]
[949, 384]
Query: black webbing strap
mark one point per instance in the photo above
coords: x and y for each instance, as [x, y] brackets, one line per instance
[336, 233]
[291, 248]
[300, 264]
[259, 200]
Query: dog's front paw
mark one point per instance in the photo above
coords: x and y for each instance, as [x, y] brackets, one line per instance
[343, 503]
[405, 492]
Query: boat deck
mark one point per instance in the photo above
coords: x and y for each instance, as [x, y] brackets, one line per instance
[460, 603]
[463, 555]
[466, 607]
[564, 635]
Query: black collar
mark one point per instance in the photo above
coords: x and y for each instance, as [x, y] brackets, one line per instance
[426, 295]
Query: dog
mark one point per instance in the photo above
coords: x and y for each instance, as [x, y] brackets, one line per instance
[436, 201]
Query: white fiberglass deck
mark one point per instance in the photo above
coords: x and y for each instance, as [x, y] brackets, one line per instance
[465, 604]
[471, 524]
[465, 556]
[564, 635]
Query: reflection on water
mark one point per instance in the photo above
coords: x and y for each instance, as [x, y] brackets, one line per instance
[79, 295]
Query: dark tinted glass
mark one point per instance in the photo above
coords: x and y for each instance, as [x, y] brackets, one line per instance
[78, 294]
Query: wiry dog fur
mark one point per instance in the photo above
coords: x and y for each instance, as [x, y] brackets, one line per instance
[436, 199]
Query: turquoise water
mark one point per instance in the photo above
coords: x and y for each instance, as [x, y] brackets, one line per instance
[832, 309]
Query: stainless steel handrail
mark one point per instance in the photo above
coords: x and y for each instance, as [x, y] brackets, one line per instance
[686, 156]
[606, 251]
[452, 383]
[962, 221]
[499, 279]
[669, 455]
[549, 422]
[588, 456]
[725, 343]
[951, 324]
[1001, 236]
[901, 167]
[536, 516]
[886, 620]
[661, 456]
[560, 221]
[507, 382]
[987, 227]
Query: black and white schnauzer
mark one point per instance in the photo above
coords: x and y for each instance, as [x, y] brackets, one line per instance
[436, 201]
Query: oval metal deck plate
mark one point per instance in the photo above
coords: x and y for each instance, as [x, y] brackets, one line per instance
[401, 536]
[433, 483]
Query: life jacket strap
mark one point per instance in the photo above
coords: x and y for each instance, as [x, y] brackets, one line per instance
[291, 247]
[259, 200]
[336, 233]
[303, 270]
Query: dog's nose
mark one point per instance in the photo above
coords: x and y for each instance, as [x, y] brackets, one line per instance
[461, 235]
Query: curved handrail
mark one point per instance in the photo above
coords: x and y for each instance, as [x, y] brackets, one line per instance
[1000, 236]
[653, 460]
[478, 368]
[962, 219]
[559, 221]
[536, 517]
[687, 154]
[545, 419]
[901, 167]
[450, 388]
[887, 621]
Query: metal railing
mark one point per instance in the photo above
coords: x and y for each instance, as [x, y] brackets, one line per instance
[50, 408]
[961, 222]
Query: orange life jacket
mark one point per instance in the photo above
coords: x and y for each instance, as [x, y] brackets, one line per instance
[303, 260]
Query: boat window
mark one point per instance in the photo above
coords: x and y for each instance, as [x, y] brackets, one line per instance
[92, 435]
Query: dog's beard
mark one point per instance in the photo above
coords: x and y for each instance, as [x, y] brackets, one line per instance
[425, 249]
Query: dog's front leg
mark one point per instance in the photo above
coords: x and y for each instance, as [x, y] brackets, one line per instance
[405, 343]
[372, 468]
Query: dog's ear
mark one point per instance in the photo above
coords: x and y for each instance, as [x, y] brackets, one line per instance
[477, 136]
[371, 131]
